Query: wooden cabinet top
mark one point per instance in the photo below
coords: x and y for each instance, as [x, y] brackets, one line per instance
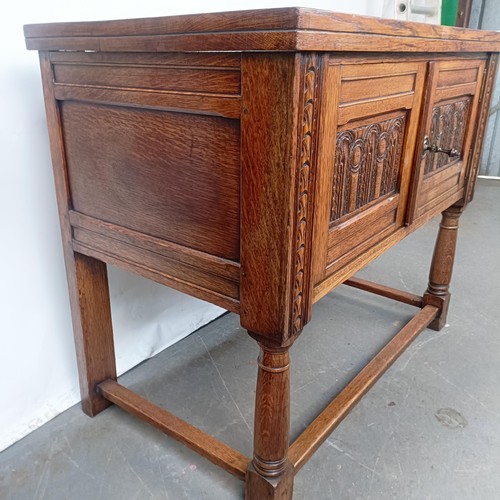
[285, 29]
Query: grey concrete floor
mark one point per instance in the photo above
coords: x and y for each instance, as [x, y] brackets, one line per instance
[429, 428]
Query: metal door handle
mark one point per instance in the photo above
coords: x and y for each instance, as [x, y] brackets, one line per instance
[434, 148]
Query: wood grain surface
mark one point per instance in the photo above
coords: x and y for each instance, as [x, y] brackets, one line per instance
[269, 476]
[279, 140]
[437, 293]
[449, 120]
[156, 172]
[366, 170]
[268, 144]
[480, 128]
[270, 29]
[87, 277]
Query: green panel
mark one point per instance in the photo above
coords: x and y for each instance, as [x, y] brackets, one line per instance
[449, 12]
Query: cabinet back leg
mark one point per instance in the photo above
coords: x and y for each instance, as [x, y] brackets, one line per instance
[92, 327]
[437, 293]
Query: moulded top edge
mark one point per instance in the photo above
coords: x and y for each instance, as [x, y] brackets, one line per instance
[272, 25]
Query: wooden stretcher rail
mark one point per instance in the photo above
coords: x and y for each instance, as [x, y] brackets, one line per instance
[314, 435]
[209, 447]
[385, 291]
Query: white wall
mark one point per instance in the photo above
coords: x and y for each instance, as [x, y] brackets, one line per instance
[411, 10]
[38, 377]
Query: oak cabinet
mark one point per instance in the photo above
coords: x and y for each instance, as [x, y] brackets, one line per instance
[257, 160]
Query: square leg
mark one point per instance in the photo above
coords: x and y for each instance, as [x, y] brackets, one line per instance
[92, 328]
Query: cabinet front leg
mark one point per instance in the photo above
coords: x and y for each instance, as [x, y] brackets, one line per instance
[92, 327]
[437, 292]
[269, 475]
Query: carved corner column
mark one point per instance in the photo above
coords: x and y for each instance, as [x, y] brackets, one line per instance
[278, 129]
[437, 293]
[279, 123]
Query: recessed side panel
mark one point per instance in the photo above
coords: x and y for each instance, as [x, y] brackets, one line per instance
[156, 172]
[151, 147]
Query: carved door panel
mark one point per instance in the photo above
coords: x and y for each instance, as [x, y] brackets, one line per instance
[365, 156]
[445, 137]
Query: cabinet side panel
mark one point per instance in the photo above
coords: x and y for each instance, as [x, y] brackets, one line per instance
[173, 176]
[152, 164]
[477, 143]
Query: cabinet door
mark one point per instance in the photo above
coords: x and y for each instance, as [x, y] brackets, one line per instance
[369, 122]
[449, 115]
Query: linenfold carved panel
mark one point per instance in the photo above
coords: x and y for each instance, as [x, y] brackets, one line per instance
[448, 125]
[367, 164]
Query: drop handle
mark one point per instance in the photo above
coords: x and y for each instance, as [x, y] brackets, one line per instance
[434, 148]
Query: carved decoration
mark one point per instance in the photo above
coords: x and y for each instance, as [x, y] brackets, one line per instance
[367, 164]
[448, 125]
[304, 186]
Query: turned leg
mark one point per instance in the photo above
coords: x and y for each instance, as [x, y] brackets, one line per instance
[269, 475]
[91, 312]
[437, 292]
